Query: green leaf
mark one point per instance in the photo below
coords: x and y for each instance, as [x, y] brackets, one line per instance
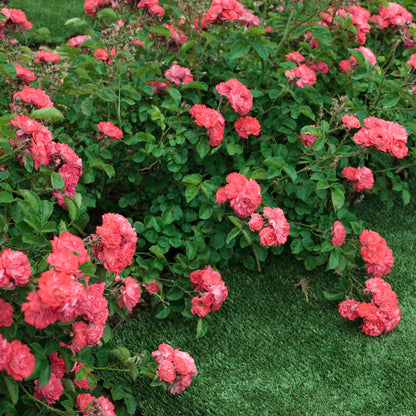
[357, 228]
[5, 406]
[232, 234]
[107, 14]
[238, 50]
[333, 295]
[196, 85]
[86, 106]
[291, 172]
[72, 208]
[47, 113]
[12, 388]
[322, 33]
[205, 211]
[44, 375]
[201, 328]
[338, 198]
[191, 249]
[168, 216]
[57, 181]
[390, 100]
[175, 293]
[191, 192]
[106, 94]
[203, 146]
[261, 50]
[175, 94]
[130, 404]
[160, 30]
[163, 312]
[333, 260]
[30, 197]
[6, 197]
[194, 179]
[296, 246]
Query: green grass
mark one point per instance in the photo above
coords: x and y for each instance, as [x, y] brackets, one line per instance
[269, 352]
[51, 14]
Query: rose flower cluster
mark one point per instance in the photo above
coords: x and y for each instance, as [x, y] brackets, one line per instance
[273, 226]
[378, 256]
[241, 100]
[229, 10]
[380, 315]
[175, 367]
[35, 140]
[211, 291]
[385, 135]
[244, 194]
[54, 389]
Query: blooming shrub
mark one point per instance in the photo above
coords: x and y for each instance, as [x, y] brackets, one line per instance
[304, 113]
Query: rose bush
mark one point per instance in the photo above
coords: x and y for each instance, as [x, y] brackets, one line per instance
[171, 139]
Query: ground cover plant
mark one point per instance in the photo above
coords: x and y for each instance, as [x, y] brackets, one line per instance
[143, 157]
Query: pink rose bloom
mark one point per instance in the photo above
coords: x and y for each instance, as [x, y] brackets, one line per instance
[77, 41]
[103, 54]
[130, 294]
[210, 286]
[21, 362]
[368, 54]
[363, 177]
[351, 122]
[32, 96]
[277, 220]
[117, 242]
[45, 56]
[345, 66]
[348, 309]
[268, 237]
[63, 261]
[244, 195]
[319, 66]
[246, 126]
[37, 312]
[152, 288]
[4, 352]
[6, 313]
[166, 371]
[238, 95]
[338, 234]
[69, 242]
[179, 75]
[152, 6]
[295, 57]
[306, 76]
[256, 222]
[158, 86]
[110, 130]
[307, 139]
[51, 391]
[412, 61]
[24, 74]
[14, 268]
[202, 305]
[212, 120]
